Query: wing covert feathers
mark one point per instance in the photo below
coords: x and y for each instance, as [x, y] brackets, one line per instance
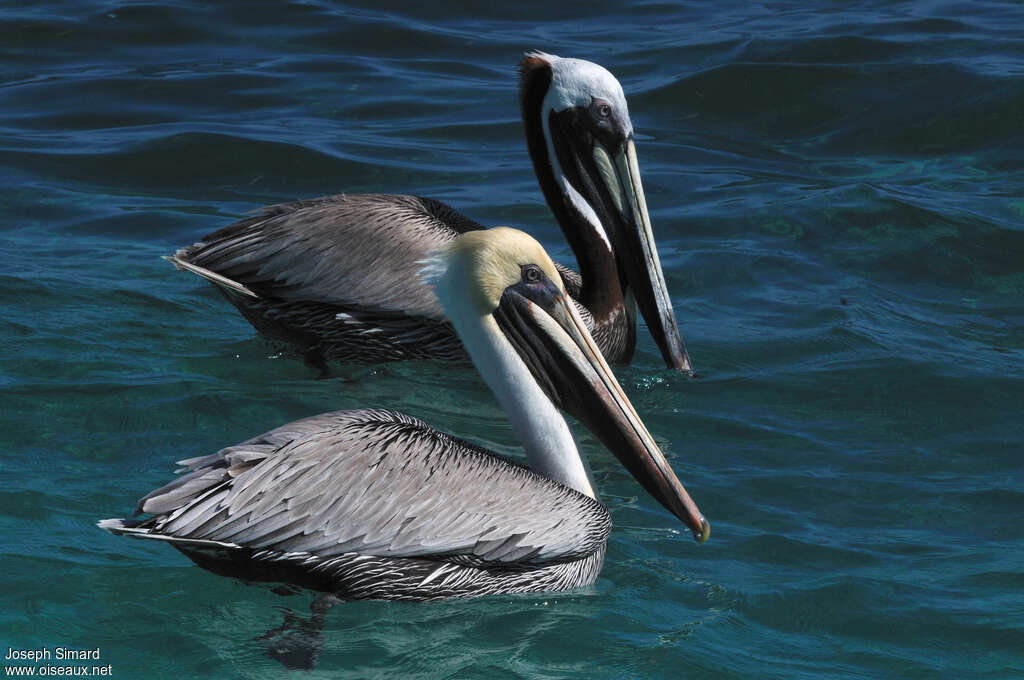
[375, 483]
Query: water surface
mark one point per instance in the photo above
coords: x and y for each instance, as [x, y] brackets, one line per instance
[837, 196]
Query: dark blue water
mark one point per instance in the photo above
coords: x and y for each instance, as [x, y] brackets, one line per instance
[838, 195]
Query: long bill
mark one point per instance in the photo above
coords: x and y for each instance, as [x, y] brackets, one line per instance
[552, 340]
[636, 251]
[602, 165]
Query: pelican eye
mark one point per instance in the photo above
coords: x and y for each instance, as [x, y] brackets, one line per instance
[532, 273]
[600, 108]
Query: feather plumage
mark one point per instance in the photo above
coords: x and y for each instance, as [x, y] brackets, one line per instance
[335, 278]
[336, 494]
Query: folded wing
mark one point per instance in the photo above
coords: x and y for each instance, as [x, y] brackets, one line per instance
[376, 483]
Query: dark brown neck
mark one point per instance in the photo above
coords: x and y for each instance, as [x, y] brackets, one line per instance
[601, 292]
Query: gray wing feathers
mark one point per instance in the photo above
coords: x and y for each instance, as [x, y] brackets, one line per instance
[206, 471]
[170, 497]
[213, 277]
[379, 483]
[357, 251]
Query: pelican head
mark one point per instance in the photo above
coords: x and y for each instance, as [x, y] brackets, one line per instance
[508, 304]
[581, 142]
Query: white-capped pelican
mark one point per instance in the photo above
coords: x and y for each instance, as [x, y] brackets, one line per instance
[372, 503]
[335, 277]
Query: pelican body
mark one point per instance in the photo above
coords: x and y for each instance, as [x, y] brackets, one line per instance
[375, 504]
[335, 277]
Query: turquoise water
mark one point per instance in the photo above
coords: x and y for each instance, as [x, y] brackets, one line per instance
[838, 196]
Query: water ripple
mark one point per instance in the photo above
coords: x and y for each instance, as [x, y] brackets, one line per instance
[836, 196]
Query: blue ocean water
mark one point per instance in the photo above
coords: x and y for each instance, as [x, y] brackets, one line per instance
[838, 196]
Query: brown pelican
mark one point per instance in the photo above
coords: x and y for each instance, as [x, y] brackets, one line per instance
[376, 504]
[335, 276]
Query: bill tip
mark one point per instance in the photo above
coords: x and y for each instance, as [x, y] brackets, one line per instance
[705, 531]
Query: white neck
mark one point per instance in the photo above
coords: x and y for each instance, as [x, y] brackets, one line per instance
[537, 423]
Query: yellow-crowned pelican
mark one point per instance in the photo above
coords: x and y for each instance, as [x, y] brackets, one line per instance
[375, 504]
[335, 276]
